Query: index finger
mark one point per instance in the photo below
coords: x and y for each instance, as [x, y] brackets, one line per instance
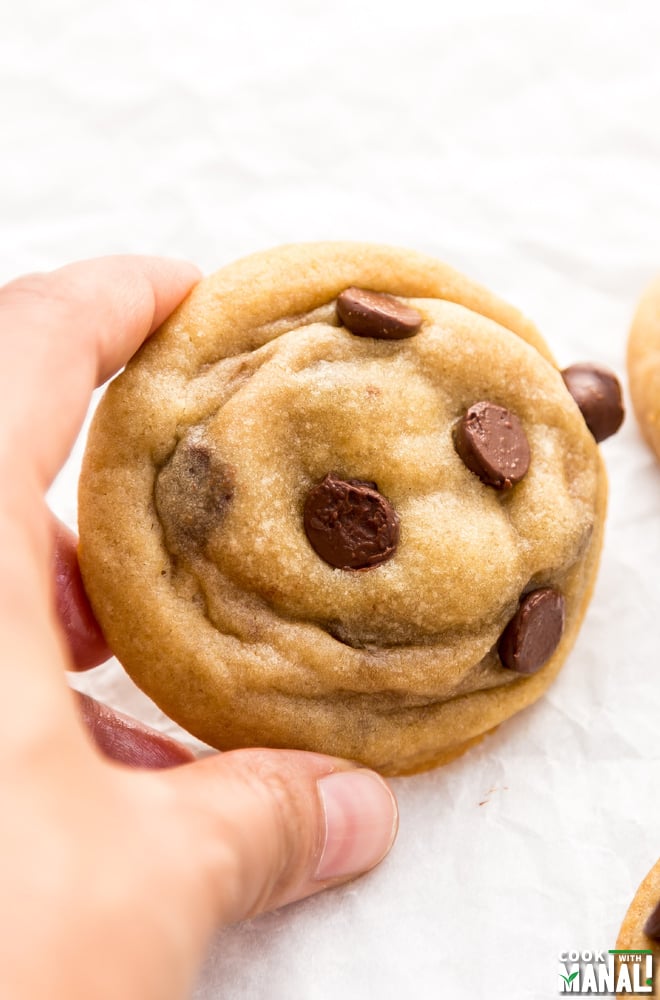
[64, 332]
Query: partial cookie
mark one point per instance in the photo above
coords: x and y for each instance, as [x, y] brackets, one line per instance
[344, 501]
[640, 930]
[644, 365]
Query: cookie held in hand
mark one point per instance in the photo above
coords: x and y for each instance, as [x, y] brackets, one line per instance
[344, 501]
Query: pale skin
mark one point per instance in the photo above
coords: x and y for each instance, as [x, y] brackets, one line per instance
[114, 878]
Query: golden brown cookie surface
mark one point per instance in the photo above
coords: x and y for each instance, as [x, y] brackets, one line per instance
[641, 927]
[297, 532]
[644, 364]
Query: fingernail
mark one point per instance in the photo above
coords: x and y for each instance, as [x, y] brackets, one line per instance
[361, 820]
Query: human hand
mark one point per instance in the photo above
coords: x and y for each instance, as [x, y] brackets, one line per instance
[113, 879]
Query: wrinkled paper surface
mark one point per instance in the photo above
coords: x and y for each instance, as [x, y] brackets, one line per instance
[521, 143]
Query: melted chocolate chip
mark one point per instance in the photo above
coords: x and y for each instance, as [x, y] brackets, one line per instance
[652, 925]
[192, 493]
[492, 443]
[597, 392]
[375, 314]
[349, 524]
[533, 634]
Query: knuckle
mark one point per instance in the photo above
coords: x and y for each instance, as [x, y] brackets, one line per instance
[292, 825]
[31, 288]
[42, 297]
[258, 826]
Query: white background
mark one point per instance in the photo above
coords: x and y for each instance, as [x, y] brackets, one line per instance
[519, 141]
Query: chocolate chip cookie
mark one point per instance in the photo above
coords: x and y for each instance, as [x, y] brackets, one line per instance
[343, 500]
[640, 930]
[644, 365]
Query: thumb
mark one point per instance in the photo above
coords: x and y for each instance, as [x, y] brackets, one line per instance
[273, 826]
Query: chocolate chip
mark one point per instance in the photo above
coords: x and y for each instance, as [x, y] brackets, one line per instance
[375, 314]
[492, 443]
[349, 524]
[597, 392]
[363, 482]
[533, 634]
[191, 494]
[652, 925]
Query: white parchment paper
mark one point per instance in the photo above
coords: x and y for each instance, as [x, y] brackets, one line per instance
[521, 143]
